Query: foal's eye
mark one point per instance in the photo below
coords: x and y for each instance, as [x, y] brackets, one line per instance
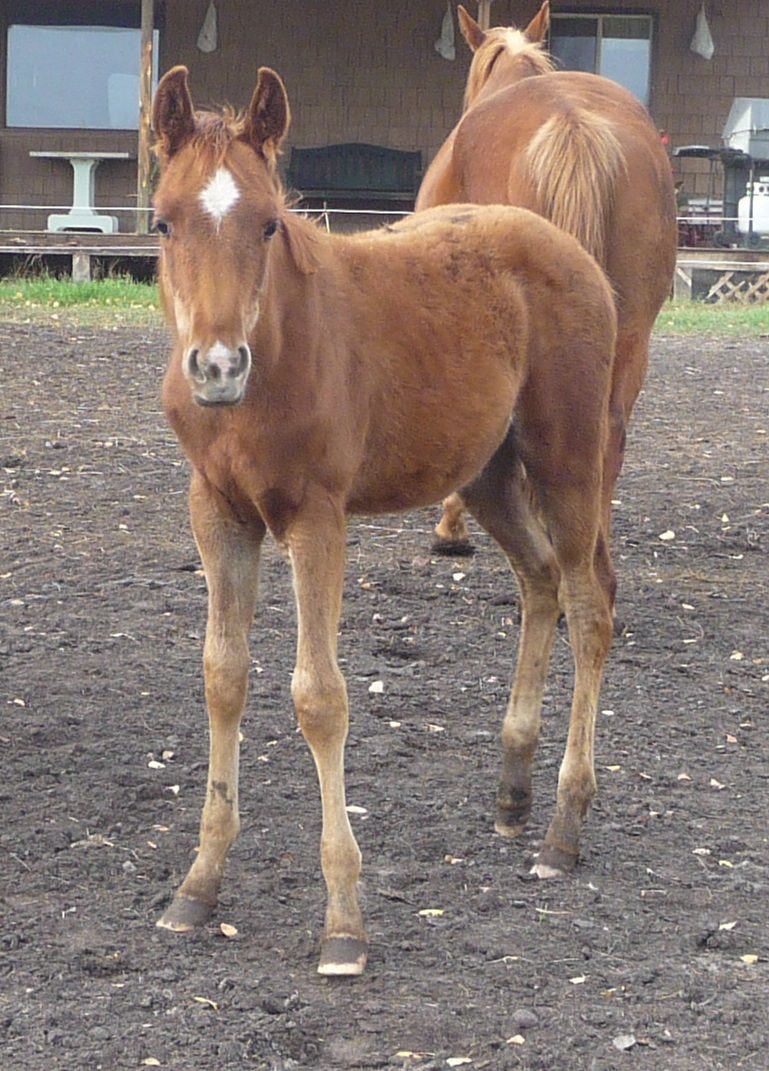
[163, 227]
[270, 228]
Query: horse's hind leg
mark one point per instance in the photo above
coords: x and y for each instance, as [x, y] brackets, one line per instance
[230, 554]
[451, 534]
[499, 500]
[586, 592]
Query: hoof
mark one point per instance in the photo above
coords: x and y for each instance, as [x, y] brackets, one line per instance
[185, 914]
[509, 829]
[343, 957]
[554, 863]
[453, 548]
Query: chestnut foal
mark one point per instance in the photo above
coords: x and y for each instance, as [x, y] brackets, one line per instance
[314, 376]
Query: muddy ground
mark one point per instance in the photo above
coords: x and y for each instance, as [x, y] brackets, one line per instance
[656, 954]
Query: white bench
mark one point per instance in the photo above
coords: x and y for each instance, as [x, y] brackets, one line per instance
[82, 216]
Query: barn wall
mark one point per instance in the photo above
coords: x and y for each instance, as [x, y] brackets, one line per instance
[359, 70]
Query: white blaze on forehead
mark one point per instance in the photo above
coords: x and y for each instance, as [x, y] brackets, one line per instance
[219, 195]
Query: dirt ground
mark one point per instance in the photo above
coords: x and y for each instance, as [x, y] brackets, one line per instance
[654, 956]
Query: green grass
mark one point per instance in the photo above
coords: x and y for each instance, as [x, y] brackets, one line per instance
[45, 297]
[695, 318]
[120, 300]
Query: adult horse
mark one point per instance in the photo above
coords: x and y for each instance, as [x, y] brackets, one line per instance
[315, 375]
[581, 151]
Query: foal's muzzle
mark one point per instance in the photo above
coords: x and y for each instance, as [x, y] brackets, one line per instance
[217, 375]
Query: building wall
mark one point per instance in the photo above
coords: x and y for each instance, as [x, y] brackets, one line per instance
[362, 70]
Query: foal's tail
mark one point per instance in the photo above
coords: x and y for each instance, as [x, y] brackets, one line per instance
[573, 161]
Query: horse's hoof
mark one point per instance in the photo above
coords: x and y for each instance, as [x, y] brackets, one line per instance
[343, 957]
[185, 914]
[554, 863]
[509, 829]
[453, 548]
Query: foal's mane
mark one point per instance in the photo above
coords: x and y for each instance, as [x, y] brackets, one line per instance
[499, 40]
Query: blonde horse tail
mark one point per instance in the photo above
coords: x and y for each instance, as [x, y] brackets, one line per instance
[573, 162]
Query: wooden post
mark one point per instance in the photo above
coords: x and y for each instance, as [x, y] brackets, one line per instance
[145, 106]
[484, 14]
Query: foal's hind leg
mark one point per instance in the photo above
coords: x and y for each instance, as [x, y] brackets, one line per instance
[230, 554]
[586, 592]
[499, 500]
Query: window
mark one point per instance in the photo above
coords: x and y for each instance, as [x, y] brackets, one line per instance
[74, 70]
[616, 46]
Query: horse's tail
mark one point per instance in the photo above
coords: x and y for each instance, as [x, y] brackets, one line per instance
[573, 161]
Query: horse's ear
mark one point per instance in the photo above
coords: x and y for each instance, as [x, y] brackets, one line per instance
[471, 31]
[268, 117]
[540, 24]
[173, 117]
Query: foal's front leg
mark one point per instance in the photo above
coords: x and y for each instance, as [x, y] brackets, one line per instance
[316, 542]
[230, 555]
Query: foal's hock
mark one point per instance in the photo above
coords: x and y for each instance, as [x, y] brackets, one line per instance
[313, 376]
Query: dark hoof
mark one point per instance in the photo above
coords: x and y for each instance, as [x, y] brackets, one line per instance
[186, 914]
[343, 957]
[453, 548]
[554, 863]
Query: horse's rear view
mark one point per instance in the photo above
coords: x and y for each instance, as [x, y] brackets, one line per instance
[313, 376]
[582, 151]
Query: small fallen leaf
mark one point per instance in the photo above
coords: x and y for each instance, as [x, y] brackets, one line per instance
[458, 576]
[731, 739]
[516, 1039]
[715, 784]
[206, 1001]
[750, 959]
[151, 1062]
[395, 724]
[376, 687]
[684, 777]
[736, 656]
[433, 728]
[701, 851]
[727, 925]
[174, 788]
[228, 930]
[431, 912]
[667, 536]
[614, 769]
[624, 1042]
[155, 765]
[580, 978]
[458, 1061]
[354, 809]
[726, 863]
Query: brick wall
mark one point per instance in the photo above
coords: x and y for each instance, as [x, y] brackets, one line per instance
[363, 70]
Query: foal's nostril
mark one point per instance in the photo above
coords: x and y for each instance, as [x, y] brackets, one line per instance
[245, 357]
[214, 371]
[194, 367]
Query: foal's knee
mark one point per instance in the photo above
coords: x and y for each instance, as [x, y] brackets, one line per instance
[320, 702]
[226, 678]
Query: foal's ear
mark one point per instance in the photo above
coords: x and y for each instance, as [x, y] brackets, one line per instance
[173, 117]
[540, 24]
[268, 117]
[471, 31]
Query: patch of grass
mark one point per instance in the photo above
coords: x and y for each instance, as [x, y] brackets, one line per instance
[46, 297]
[696, 318]
[121, 300]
